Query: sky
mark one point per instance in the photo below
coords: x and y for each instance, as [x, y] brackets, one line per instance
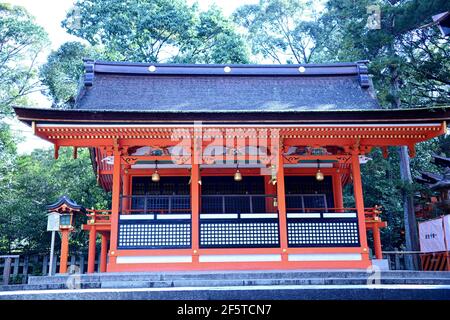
[49, 14]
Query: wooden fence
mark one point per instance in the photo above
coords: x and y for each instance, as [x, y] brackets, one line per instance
[38, 265]
[397, 259]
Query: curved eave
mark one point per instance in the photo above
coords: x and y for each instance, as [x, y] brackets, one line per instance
[68, 203]
[423, 115]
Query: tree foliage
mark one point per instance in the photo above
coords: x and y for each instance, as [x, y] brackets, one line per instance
[408, 65]
[282, 31]
[410, 68]
[156, 31]
[35, 181]
[21, 41]
[62, 72]
[140, 31]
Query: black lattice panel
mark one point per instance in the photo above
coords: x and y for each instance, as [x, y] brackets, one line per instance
[154, 235]
[235, 234]
[328, 233]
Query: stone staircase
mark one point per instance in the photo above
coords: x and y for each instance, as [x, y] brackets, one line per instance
[342, 284]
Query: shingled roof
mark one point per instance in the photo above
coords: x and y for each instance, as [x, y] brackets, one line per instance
[114, 86]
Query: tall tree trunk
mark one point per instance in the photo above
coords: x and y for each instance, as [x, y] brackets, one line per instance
[409, 216]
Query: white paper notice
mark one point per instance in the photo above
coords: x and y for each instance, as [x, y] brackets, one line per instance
[431, 234]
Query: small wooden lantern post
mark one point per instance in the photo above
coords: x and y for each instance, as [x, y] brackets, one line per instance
[66, 208]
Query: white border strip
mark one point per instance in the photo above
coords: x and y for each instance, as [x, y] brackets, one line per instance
[306, 165]
[160, 166]
[185, 166]
[303, 215]
[339, 215]
[153, 259]
[218, 216]
[137, 217]
[240, 258]
[325, 257]
[180, 126]
[171, 216]
[259, 215]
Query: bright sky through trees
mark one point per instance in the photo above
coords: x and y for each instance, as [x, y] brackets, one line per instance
[49, 14]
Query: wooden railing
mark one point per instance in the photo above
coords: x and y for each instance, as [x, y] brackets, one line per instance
[238, 203]
[17, 270]
[99, 217]
[155, 204]
[371, 214]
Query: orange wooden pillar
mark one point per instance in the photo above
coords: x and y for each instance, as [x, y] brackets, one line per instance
[377, 241]
[103, 252]
[126, 192]
[337, 191]
[91, 251]
[359, 201]
[281, 196]
[64, 250]
[195, 198]
[115, 207]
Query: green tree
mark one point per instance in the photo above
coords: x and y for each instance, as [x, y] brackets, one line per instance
[396, 54]
[156, 31]
[405, 61]
[282, 31]
[21, 41]
[213, 39]
[36, 181]
[62, 72]
[425, 74]
[141, 31]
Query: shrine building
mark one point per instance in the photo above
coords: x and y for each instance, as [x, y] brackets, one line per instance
[231, 167]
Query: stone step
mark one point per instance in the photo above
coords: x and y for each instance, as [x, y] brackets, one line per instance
[266, 282]
[273, 292]
[177, 283]
[167, 276]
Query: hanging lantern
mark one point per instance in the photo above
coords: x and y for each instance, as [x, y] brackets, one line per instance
[237, 174]
[319, 174]
[273, 178]
[155, 176]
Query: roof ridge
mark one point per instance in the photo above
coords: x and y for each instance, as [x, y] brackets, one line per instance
[212, 65]
[358, 69]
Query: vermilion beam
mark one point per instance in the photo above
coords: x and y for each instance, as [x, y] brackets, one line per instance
[91, 251]
[64, 251]
[115, 207]
[281, 196]
[359, 202]
[103, 253]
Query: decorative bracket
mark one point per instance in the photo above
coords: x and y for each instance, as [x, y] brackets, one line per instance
[179, 160]
[130, 160]
[89, 72]
[356, 148]
[363, 73]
